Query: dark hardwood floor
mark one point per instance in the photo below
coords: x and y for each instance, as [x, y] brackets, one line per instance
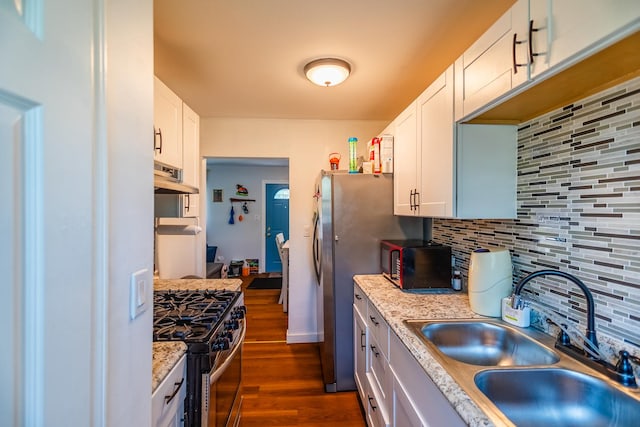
[282, 383]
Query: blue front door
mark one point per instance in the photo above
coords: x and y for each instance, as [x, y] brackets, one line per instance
[276, 221]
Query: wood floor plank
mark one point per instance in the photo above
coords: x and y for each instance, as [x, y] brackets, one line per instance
[282, 383]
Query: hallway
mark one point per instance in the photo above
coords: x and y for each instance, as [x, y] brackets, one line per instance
[283, 383]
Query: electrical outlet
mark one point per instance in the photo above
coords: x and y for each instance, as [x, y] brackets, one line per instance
[138, 293]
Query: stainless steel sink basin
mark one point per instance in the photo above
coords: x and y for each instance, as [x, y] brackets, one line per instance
[557, 397]
[486, 343]
[517, 378]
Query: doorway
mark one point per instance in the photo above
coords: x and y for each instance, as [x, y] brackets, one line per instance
[276, 205]
[245, 238]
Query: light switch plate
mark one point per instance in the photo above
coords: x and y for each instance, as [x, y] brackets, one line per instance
[138, 293]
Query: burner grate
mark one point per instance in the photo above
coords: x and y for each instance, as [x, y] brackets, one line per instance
[188, 315]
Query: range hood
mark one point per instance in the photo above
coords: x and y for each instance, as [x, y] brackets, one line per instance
[167, 180]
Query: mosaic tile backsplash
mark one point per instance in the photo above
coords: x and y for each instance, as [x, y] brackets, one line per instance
[578, 211]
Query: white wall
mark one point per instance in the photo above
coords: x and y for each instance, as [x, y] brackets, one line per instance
[307, 144]
[130, 208]
[243, 239]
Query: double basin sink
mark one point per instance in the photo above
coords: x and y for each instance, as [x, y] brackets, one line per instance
[518, 378]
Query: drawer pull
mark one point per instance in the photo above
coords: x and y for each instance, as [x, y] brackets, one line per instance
[178, 386]
[358, 297]
[373, 319]
[362, 345]
[371, 403]
[376, 353]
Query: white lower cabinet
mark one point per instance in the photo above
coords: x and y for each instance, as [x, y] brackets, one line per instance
[360, 351]
[394, 389]
[167, 401]
[416, 398]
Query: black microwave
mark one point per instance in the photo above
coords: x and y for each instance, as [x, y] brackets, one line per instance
[416, 264]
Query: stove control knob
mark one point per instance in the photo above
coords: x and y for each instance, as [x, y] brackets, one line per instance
[239, 312]
[220, 344]
[231, 324]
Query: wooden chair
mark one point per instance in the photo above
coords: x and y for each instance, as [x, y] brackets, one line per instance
[283, 251]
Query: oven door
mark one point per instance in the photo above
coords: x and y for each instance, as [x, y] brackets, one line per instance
[224, 383]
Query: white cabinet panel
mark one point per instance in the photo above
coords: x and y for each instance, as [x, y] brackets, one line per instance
[452, 164]
[167, 119]
[405, 161]
[421, 399]
[360, 350]
[167, 401]
[436, 138]
[566, 29]
[496, 63]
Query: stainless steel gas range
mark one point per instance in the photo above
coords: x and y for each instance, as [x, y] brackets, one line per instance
[212, 324]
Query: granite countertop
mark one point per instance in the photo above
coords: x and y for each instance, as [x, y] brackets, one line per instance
[396, 305]
[194, 284]
[165, 356]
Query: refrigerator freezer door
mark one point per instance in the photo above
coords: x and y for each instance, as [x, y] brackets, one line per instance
[357, 212]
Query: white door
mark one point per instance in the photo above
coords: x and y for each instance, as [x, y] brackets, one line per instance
[47, 220]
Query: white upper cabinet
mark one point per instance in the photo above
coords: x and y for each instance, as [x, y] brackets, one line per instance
[437, 145]
[190, 205]
[167, 118]
[570, 30]
[405, 160]
[496, 63]
[190, 146]
[452, 171]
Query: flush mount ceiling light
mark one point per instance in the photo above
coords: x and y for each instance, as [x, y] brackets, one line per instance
[327, 71]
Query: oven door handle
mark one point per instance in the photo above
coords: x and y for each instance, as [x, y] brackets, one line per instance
[220, 369]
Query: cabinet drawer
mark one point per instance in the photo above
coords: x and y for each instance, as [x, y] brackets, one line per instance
[168, 398]
[377, 415]
[360, 300]
[379, 372]
[378, 329]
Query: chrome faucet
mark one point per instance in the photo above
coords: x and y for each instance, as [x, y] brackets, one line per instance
[591, 341]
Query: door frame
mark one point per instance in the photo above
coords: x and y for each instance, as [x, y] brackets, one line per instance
[263, 214]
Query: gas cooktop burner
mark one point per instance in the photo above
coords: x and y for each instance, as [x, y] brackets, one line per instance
[189, 315]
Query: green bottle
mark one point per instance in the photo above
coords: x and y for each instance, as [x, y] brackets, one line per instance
[353, 157]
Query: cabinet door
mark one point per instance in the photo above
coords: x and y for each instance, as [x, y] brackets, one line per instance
[167, 119]
[573, 29]
[361, 344]
[167, 401]
[436, 131]
[190, 147]
[404, 411]
[189, 205]
[495, 63]
[405, 142]
[418, 398]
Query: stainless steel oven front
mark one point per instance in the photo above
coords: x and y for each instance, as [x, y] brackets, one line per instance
[221, 388]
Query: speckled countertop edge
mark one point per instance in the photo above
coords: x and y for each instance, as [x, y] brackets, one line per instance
[195, 284]
[167, 354]
[396, 305]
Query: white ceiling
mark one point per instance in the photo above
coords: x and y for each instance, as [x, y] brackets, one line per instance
[244, 58]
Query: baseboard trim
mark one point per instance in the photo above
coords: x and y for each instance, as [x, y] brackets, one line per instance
[301, 338]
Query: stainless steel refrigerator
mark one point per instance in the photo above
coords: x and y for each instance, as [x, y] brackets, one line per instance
[354, 212]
